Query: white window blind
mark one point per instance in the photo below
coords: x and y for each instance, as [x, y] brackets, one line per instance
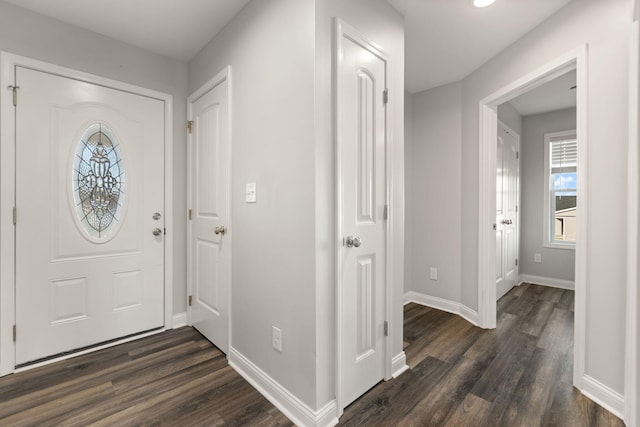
[564, 155]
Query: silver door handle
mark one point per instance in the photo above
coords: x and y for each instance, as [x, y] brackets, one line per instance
[507, 221]
[220, 230]
[156, 232]
[353, 241]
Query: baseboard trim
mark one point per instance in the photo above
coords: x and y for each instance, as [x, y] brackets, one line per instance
[454, 307]
[399, 364]
[296, 410]
[609, 399]
[548, 281]
[179, 320]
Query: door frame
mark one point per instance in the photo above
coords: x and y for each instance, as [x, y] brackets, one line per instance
[517, 229]
[8, 62]
[632, 364]
[221, 76]
[342, 29]
[575, 59]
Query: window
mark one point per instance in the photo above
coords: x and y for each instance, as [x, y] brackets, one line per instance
[98, 182]
[560, 184]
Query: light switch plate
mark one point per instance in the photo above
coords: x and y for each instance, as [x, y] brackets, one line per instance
[250, 193]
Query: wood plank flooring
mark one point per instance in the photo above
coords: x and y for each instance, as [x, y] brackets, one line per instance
[516, 375]
[519, 374]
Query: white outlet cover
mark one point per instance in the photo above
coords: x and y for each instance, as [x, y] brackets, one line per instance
[250, 193]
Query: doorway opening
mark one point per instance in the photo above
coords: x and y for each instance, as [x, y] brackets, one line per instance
[487, 294]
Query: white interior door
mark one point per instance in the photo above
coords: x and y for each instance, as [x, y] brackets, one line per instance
[362, 143]
[89, 194]
[210, 238]
[506, 211]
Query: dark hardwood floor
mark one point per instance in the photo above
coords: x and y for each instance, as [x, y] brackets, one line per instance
[516, 375]
[519, 374]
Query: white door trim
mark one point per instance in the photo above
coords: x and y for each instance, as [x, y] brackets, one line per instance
[222, 75]
[632, 365]
[576, 59]
[342, 29]
[8, 62]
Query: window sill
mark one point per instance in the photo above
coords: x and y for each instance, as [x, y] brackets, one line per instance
[555, 245]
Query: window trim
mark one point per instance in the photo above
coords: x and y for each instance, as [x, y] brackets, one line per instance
[547, 240]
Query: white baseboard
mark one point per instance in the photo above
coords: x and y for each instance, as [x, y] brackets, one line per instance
[296, 410]
[443, 304]
[399, 364]
[179, 320]
[548, 281]
[609, 399]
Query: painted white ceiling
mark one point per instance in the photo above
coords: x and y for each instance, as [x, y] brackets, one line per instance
[177, 29]
[554, 95]
[446, 40]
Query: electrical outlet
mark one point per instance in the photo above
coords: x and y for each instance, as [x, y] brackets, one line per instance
[276, 338]
[433, 274]
[537, 257]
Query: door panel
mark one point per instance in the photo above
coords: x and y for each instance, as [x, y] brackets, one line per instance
[506, 211]
[362, 174]
[210, 253]
[89, 178]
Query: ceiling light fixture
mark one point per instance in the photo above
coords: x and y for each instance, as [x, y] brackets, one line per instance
[483, 3]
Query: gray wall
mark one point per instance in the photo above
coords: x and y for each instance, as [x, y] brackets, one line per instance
[556, 263]
[28, 34]
[433, 230]
[280, 53]
[270, 48]
[508, 115]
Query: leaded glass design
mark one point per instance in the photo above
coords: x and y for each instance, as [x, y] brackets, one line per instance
[98, 181]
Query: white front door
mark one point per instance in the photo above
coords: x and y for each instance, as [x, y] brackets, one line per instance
[89, 195]
[362, 255]
[209, 237]
[506, 211]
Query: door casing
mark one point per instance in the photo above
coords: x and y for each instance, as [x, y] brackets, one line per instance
[342, 29]
[8, 62]
[488, 129]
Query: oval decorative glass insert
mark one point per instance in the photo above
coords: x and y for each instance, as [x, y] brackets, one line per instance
[98, 182]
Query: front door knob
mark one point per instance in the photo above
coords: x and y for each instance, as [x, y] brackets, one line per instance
[220, 230]
[156, 232]
[353, 241]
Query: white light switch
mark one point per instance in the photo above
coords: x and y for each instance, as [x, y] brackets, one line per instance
[250, 193]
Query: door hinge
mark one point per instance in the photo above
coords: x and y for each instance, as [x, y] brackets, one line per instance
[190, 213]
[516, 208]
[386, 328]
[516, 261]
[517, 155]
[15, 215]
[385, 96]
[385, 212]
[15, 94]
[190, 300]
[14, 333]
[189, 125]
